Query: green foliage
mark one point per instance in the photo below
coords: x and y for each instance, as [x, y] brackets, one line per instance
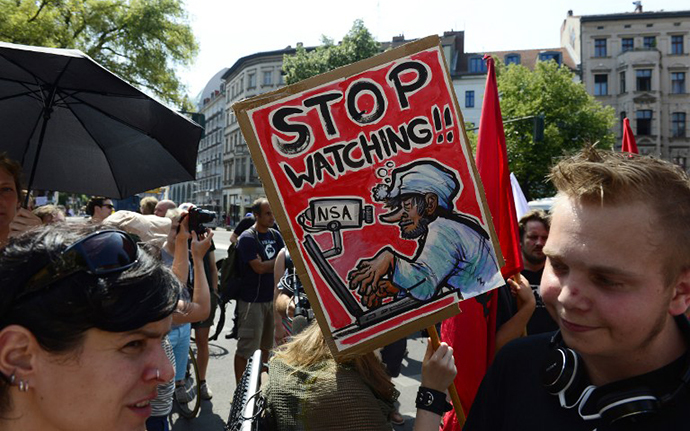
[357, 45]
[140, 40]
[572, 119]
[471, 137]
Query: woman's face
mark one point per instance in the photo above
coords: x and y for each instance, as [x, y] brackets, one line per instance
[106, 385]
[9, 203]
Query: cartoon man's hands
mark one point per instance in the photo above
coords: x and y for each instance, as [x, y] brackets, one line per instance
[367, 279]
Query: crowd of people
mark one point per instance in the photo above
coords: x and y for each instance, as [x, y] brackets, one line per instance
[96, 318]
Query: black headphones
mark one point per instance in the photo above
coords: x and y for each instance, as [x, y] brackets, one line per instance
[563, 376]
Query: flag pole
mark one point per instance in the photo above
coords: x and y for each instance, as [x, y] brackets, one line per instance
[454, 397]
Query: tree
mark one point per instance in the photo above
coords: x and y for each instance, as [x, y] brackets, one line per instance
[572, 118]
[140, 40]
[357, 45]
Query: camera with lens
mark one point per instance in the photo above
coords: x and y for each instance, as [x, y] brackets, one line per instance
[197, 218]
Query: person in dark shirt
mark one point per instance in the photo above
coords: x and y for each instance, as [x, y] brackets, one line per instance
[518, 314]
[617, 283]
[258, 247]
[244, 224]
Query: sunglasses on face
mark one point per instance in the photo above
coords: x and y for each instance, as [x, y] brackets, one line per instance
[111, 206]
[100, 253]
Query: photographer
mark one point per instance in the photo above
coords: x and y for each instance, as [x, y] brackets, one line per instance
[197, 217]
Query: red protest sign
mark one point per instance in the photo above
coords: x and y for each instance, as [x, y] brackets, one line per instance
[368, 169]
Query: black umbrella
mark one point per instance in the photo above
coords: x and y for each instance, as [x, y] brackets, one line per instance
[76, 127]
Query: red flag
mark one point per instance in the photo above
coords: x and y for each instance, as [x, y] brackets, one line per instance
[472, 333]
[629, 145]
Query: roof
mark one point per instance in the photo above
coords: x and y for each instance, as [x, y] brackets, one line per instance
[635, 16]
[257, 55]
[529, 57]
[211, 87]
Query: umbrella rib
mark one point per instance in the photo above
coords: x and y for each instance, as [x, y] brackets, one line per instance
[112, 117]
[86, 129]
[33, 75]
[27, 93]
[28, 142]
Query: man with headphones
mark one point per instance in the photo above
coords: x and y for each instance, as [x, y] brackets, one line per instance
[617, 283]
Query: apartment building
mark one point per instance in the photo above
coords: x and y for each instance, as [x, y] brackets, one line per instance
[249, 76]
[209, 183]
[638, 63]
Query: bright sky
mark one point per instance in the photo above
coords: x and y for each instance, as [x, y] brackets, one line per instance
[230, 29]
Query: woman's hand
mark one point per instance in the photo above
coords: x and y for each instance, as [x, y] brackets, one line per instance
[24, 220]
[438, 368]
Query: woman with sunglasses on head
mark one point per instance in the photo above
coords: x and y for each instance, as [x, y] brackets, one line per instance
[82, 316]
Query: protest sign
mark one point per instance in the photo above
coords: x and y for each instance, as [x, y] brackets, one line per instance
[371, 179]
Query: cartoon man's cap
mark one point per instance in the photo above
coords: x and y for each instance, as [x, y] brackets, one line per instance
[421, 178]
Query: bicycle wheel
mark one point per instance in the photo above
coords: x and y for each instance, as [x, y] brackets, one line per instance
[190, 409]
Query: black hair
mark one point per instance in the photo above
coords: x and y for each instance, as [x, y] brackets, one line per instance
[60, 314]
[96, 201]
[256, 206]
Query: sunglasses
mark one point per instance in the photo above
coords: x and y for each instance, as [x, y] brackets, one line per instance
[111, 206]
[101, 253]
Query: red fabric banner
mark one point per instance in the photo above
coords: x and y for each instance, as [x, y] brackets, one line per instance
[629, 145]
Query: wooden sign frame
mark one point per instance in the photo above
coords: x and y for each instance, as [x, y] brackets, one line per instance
[319, 149]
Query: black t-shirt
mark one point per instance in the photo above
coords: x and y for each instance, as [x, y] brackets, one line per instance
[512, 398]
[258, 287]
[541, 320]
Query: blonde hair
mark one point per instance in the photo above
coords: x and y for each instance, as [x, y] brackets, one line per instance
[309, 348]
[606, 178]
[45, 211]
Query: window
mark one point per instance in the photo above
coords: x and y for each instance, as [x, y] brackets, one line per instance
[477, 65]
[251, 80]
[546, 56]
[649, 42]
[623, 117]
[644, 79]
[469, 99]
[268, 77]
[601, 85]
[678, 124]
[676, 44]
[621, 85]
[627, 44]
[678, 82]
[512, 59]
[600, 47]
[644, 122]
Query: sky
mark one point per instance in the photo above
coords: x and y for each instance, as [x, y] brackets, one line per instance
[230, 29]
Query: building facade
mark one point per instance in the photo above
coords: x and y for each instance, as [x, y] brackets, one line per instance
[638, 63]
[249, 76]
[208, 186]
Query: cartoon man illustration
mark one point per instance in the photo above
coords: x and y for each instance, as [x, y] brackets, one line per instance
[454, 251]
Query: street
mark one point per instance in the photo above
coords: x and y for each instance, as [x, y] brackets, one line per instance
[220, 375]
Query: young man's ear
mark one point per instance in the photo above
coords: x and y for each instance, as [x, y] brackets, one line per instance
[680, 302]
[431, 203]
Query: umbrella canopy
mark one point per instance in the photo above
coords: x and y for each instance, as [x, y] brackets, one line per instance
[76, 127]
